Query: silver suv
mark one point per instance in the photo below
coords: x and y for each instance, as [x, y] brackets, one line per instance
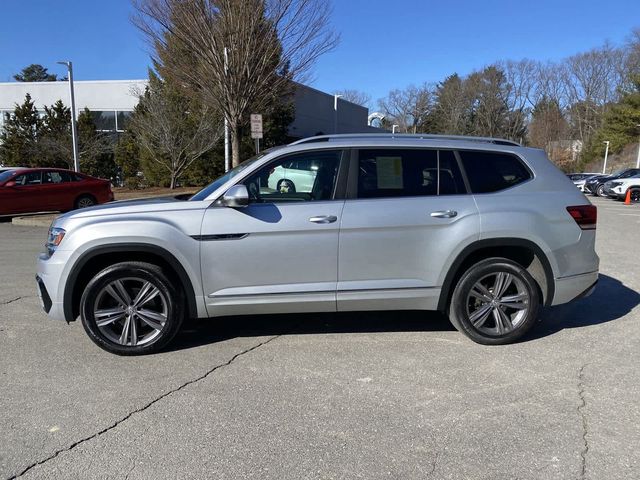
[482, 229]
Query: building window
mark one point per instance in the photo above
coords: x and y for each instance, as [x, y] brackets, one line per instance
[105, 120]
[122, 121]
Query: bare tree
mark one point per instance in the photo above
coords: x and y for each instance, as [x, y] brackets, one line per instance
[240, 52]
[355, 96]
[172, 129]
[408, 108]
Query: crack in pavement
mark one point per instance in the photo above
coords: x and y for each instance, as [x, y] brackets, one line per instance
[143, 408]
[581, 407]
[7, 302]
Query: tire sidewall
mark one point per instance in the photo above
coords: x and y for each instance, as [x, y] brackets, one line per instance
[143, 271]
[457, 309]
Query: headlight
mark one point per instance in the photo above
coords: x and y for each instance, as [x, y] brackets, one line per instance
[54, 238]
[614, 184]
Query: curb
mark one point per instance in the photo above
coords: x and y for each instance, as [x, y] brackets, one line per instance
[34, 220]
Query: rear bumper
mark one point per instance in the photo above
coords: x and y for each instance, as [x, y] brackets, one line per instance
[574, 287]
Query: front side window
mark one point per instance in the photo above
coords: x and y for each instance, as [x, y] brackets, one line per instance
[408, 173]
[492, 171]
[303, 177]
[26, 179]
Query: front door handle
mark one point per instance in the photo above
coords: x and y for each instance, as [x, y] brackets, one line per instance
[444, 214]
[323, 219]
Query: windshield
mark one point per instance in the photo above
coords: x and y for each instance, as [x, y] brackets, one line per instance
[6, 175]
[212, 187]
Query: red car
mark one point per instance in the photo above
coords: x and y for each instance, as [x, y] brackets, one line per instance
[24, 190]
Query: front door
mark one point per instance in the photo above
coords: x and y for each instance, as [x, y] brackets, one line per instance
[279, 254]
[407, 214]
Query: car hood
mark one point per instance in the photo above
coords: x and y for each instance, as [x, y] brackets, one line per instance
[142, 205]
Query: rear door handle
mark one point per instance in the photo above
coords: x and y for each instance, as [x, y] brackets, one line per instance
[444, 214]
[323, 219]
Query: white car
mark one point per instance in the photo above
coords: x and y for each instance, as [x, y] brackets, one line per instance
[295, 176]
[618, 188]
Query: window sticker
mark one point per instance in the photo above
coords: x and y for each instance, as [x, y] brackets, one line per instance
[389, 172]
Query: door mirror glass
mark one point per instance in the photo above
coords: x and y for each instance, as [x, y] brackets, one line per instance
[236, 197]
[10, 184]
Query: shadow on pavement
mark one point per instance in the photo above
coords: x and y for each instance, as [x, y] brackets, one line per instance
[205, 331]
[610, 301]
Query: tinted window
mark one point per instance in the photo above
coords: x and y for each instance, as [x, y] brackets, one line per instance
[56, 177]
[490, 171]
[31, 178]
[104, 120]
[5, 175]
[408, 173]
[309, 176]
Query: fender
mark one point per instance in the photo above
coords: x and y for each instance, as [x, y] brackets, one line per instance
[447, 286]
[127, 247]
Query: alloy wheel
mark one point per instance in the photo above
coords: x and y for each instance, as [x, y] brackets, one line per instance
[131, 311]
[498, 303]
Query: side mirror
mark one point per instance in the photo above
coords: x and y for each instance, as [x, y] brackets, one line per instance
[10, 184]
[236, 197]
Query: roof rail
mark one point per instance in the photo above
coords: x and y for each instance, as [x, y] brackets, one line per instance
[401, 136]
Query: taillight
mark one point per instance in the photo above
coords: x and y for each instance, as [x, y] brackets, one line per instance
[586, 216]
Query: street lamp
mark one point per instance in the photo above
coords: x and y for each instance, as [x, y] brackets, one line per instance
[606, 154]
[393, 129]
[74, 137]
[335, 112]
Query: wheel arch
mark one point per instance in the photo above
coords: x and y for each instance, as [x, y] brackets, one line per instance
[522, 251]
[97, 258]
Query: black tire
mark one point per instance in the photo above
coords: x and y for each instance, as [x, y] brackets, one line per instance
[287, 185]
[600, 191]
[169, 297]
[635, 195]
[459, 307]
[85, 201]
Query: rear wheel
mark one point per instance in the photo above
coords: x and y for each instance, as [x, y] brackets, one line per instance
[600, 191]
[85, 201]
[131, 308]
[495, 302]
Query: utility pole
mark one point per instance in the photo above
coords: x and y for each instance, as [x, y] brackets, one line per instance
[335, 112]
[74, 136]
[227, 155]
[606, 154]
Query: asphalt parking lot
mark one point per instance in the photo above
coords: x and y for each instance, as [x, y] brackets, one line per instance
[367, 395]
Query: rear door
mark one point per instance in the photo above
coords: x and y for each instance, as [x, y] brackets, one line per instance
[58, 191]
[407, 213]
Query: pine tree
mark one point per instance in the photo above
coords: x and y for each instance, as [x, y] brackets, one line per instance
[35, 73]
[19, 135]
[55, 143]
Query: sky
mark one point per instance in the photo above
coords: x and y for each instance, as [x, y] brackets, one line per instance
[384, 45]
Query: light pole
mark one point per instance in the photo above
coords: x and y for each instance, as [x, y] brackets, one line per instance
[227, 156]
[74, 136]
[393, 129]
[335, 112]
[638, 159]
[606, 154]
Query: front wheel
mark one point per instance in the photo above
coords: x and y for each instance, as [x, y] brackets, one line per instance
[495, 302]
[131, 308]
[600, 191]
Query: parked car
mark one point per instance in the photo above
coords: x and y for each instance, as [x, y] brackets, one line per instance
[617, 189]
[595, 185]
[483, 229]
[25, 190]
[296, 174]
[579, 179]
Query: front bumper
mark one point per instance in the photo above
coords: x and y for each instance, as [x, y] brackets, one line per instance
[49, 276]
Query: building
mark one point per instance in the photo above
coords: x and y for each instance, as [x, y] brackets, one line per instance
[112, 101]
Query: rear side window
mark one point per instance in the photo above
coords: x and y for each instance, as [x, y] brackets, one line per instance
[388, 173]
[56, 177]
[490, 171]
